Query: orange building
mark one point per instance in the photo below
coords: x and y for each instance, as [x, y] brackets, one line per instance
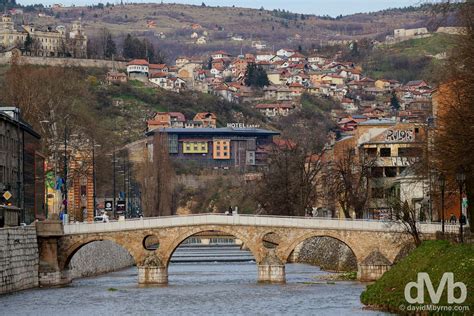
[221, 149]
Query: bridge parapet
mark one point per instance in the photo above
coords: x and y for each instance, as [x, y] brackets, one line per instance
[246, 220]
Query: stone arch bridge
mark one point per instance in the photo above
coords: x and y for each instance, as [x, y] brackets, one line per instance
[271, 240]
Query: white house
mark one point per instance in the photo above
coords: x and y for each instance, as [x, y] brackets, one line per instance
[138, 68]
[285, 52]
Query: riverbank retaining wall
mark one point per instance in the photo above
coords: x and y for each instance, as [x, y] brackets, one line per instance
[98, 258]
[328, 253]
[18, 259]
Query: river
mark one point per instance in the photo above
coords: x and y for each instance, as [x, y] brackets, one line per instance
[194, 289]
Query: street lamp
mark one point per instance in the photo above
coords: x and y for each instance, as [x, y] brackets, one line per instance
[461, 178]
[94, 145]
[65, 201]
[46, 200]
[442, 186]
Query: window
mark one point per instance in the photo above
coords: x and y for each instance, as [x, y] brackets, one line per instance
[390, 172]
[371, 152]
[385, 152]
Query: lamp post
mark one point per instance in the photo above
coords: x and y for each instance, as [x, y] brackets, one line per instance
[46, 200]
[94, 145]
[113, 177]
[461, 178]
[65, 201]
[442, 186]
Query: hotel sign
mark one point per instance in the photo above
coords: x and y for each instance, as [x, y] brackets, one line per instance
[242, 125]
[399, 136]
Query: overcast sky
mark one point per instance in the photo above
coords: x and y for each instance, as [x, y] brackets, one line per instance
[319, 7]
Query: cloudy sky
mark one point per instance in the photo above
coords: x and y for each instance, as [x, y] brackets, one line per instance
[319, 7]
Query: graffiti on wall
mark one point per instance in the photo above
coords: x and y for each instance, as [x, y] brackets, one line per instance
[399, 135]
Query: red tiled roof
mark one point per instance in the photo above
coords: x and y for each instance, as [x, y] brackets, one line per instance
[141, 62]
[157, 66]
[296, 85]
[159, 75]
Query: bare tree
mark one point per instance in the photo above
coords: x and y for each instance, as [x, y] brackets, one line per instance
[350, 175]
[288, 186]
[408, 216]
[157, 179]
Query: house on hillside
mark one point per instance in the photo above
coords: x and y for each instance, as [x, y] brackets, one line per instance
[116, 77]
[138, 69]
[208, 119]
[275, 109]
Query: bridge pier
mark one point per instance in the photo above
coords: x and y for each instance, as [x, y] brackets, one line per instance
[271, 269]
[271, 273]
[49, 272]
[152, 275]
[369, 273]
[153, 270]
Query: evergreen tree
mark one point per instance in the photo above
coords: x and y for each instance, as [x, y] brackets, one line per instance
[128, 47]
[394, 103]
[256, 76]
[28, 42]
[110, 47]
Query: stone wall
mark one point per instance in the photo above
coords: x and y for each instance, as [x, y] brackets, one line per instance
[52, 61]
[328, 253]
[99, 257]
[18, 259]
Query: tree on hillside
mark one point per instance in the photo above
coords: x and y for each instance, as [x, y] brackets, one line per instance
[394, 103]
[256, 76]
[110, 47]
[143, 49]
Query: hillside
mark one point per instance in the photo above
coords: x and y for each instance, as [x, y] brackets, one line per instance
[171, 26]
[409, 60]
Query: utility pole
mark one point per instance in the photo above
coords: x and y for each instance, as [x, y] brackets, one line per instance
[113, 179]
[65, 202]
[94, 211]
[125, 186]
[19, 181]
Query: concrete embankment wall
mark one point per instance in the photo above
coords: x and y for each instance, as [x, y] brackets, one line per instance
[99, 257]
[18, 259]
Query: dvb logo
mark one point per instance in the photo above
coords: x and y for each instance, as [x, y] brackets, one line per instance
[435, 296]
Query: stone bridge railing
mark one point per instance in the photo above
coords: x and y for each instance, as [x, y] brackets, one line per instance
[248, 220]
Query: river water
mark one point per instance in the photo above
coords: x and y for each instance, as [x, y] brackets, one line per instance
[194, 289]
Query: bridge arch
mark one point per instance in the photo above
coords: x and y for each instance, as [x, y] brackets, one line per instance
[247, 241]
[287, 251]
[70, 251]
